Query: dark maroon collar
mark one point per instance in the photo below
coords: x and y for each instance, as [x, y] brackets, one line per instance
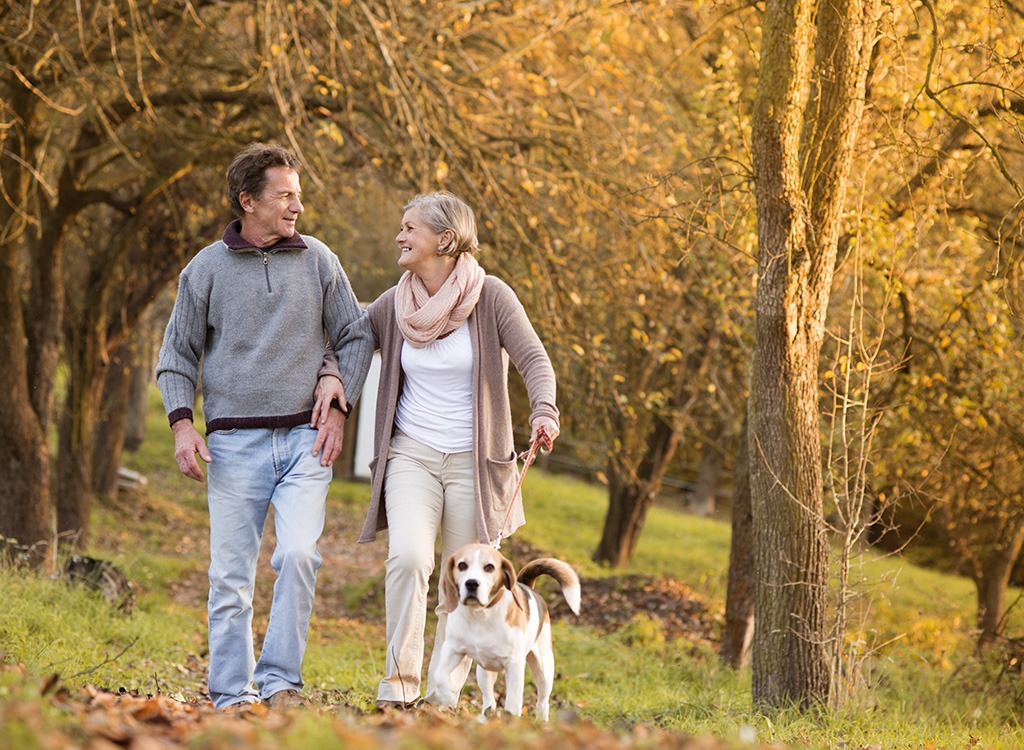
[234, 240]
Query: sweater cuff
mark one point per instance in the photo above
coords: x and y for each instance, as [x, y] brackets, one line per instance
[179, 414]
[545, 410]
[345, 410]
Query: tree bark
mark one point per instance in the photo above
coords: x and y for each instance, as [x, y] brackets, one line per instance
[992, 582]
[121, 424]
[109, 434]
[633, 490]
[25, 514]
[709, 478]
[140, 377]
[739, 598]
[26, 519]
[802, 154]
[76, 430]
[630, 496]
[790, 665]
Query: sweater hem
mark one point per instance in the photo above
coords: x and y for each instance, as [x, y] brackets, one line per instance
[266, 422]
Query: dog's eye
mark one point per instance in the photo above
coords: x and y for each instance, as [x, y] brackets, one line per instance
[463, 566]
[489, 567]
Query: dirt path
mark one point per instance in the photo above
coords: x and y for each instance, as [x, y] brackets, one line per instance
[610, 602]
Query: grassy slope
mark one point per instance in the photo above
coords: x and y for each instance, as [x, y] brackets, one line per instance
[920, 683]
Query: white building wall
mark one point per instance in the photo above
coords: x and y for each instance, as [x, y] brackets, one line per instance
[366, 418]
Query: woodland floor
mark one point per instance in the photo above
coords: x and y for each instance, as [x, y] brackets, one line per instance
[611, 602]
[109, 718]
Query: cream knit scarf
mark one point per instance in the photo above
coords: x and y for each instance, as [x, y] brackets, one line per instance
[423, 318]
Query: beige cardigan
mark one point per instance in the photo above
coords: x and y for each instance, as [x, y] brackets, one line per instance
[499, 331]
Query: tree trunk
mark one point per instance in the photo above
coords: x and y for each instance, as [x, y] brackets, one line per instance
[86, 351]
[77, 428]
[26, 519]
[790, 660]
[991, 584]
[25, 513]
[709, 478]
[802, 155]
[108, 437]
[633, 490]
[790, 666]
[630, 496]
[140, 377]
[739, 598]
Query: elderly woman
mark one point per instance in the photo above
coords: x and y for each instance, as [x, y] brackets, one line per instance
[444, 457]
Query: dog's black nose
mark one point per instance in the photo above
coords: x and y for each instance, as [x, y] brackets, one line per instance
[472, 585]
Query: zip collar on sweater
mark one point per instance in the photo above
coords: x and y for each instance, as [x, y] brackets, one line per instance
[236, 243]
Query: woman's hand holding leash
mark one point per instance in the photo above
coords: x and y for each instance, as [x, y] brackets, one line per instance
[544, 429]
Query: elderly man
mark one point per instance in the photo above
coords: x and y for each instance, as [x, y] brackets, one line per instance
[257, 307]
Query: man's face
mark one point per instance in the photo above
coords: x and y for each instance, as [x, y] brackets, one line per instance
[271, 216]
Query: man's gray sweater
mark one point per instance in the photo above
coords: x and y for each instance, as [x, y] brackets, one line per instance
[257, 318]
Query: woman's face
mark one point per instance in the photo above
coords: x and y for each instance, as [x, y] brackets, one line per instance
[418, 242]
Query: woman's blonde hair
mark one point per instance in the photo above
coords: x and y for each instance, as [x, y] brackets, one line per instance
[442, 211]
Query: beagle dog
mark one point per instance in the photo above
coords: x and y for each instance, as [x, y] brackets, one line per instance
[499, 621]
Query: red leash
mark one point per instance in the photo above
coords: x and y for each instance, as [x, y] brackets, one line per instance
[530, 456]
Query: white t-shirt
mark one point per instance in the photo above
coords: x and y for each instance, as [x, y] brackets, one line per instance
[436, 405]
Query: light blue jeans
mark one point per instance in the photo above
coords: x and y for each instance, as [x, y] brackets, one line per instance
[251, 469]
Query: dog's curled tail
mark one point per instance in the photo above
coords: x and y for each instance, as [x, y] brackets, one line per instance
[561, 572]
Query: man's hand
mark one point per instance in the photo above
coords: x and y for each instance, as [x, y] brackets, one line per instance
[187, 443]
[550, 428]
[330, 436]
[328, 388]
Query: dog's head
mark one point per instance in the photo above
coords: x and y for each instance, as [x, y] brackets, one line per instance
[475, 576]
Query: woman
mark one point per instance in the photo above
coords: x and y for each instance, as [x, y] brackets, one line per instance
[444, 457]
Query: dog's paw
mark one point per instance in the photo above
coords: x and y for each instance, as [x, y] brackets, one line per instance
[444, 699]
[488, 713]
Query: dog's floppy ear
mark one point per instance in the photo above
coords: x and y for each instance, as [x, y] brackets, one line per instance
[449, 598]
[509, 578]
[508, 574]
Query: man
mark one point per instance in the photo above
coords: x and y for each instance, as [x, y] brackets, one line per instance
[256, 307]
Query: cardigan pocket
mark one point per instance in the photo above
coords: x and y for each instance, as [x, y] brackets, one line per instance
[502, 475]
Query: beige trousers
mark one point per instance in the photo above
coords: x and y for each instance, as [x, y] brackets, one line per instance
[424, 491]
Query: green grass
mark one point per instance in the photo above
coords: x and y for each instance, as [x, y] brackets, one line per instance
[920, 684]
[568, 516]
[51, 627]
[911, 641]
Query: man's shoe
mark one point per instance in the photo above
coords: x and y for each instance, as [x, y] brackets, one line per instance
[285, 699]
[242, 707]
